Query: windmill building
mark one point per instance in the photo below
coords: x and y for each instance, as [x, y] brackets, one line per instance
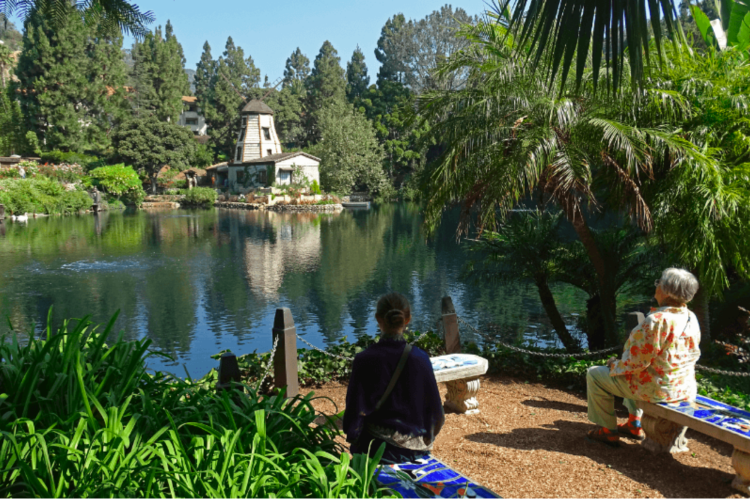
[258, 159]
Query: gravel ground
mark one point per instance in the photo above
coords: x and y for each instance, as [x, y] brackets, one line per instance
[528, 442]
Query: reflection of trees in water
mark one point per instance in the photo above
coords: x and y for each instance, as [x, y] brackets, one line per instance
[67, 263]
[352, 244]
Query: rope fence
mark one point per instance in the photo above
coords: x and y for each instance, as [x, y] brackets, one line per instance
[283, 356]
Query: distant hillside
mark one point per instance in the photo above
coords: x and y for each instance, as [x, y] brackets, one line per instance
[10, 36]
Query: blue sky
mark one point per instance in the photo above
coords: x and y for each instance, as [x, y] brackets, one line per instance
[271, 30]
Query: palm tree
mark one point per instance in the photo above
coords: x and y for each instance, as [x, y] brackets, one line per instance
[524, 248]
[506, 137]
[109, 14]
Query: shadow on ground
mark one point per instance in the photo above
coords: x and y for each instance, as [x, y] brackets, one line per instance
[658, 472]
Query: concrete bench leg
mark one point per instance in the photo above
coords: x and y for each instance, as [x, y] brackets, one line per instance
[663, 436]
[741, 464]
[462, 396]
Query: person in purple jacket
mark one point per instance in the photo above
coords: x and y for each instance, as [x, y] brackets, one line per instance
[411, 415]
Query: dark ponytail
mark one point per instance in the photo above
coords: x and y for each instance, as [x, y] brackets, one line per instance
[394, 312]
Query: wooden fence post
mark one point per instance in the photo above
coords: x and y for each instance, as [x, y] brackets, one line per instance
[450, 327]
[633, 319]
[285, 361]
[229, 371]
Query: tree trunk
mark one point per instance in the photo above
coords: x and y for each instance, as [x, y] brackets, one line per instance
[548, 302]
[154, 177]
[595, 324]
[606, 290]
[700, 308]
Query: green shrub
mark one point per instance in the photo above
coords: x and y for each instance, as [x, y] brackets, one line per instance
[200, 196]
[315, 187]
[68, 157]
[120, 181]
[40, 195]
[89, 421]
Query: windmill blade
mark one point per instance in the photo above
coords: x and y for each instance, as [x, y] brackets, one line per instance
[232, 85]
[272, 88]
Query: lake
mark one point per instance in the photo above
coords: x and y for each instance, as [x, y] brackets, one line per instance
[197, 282]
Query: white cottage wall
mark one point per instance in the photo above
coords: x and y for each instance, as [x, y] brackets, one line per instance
[310, 167]
[269, 146]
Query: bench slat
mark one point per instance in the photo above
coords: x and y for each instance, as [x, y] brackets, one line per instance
[707, 416]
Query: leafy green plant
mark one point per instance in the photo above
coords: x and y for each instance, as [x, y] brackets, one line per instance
[120, 181]
[63, 157]
[40, 195]
[200, 196]
[89, 421]
[315, 187]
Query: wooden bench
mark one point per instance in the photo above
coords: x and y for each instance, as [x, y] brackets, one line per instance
[665, 425]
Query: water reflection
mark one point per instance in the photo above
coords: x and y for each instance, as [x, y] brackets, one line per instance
[195, 282]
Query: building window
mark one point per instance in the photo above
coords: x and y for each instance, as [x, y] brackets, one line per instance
[191, 121]
[239, 154]
[262, 176]
[269, 152]
[240, 176]
[243, 129]
[267, 133]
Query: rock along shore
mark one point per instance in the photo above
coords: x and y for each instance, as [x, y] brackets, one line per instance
[279, 208]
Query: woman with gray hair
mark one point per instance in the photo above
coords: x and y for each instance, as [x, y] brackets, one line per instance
[657, 365]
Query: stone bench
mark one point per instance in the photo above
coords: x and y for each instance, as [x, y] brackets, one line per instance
[460, 373]
[665, 425]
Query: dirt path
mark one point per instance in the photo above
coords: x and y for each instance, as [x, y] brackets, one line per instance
[528, 441]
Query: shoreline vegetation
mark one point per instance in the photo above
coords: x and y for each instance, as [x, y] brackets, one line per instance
[101, 425]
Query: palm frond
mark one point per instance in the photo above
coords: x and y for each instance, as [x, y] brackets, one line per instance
[613, 30]
[111, 15]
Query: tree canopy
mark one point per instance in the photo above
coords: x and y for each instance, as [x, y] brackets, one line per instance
[149, 144]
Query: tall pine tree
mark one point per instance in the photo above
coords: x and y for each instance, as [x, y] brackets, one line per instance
[71, 81]
[296, 71]
[159, 74]
[236, 78]
[326, 85]
[390, 53]
[356, 77]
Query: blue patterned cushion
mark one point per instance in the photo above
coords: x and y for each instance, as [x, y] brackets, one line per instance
[428, 477]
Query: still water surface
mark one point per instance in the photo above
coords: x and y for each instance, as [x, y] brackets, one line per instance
[199, 282]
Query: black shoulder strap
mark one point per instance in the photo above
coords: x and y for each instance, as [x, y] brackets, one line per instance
[396, 375]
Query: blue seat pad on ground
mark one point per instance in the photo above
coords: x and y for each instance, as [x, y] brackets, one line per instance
[428, 477]
[720, 414]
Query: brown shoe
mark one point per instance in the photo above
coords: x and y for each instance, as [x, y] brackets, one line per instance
[631, 431]
[604, 436]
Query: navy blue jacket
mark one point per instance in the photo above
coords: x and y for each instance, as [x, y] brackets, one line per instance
[413, 408]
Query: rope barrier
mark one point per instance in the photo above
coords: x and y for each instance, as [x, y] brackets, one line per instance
[507, 346]
[345, 358]
[270, 362]
[603, 351]
[543, 354]
[722, 372]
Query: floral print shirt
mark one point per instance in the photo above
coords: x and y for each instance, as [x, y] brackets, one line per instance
[660, 355]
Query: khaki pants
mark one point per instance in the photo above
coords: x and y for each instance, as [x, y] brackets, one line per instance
[601, 389]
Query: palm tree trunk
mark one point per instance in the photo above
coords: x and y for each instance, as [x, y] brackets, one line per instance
[595, 324]
[606, 290]
[700, 308]
[548, 302]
